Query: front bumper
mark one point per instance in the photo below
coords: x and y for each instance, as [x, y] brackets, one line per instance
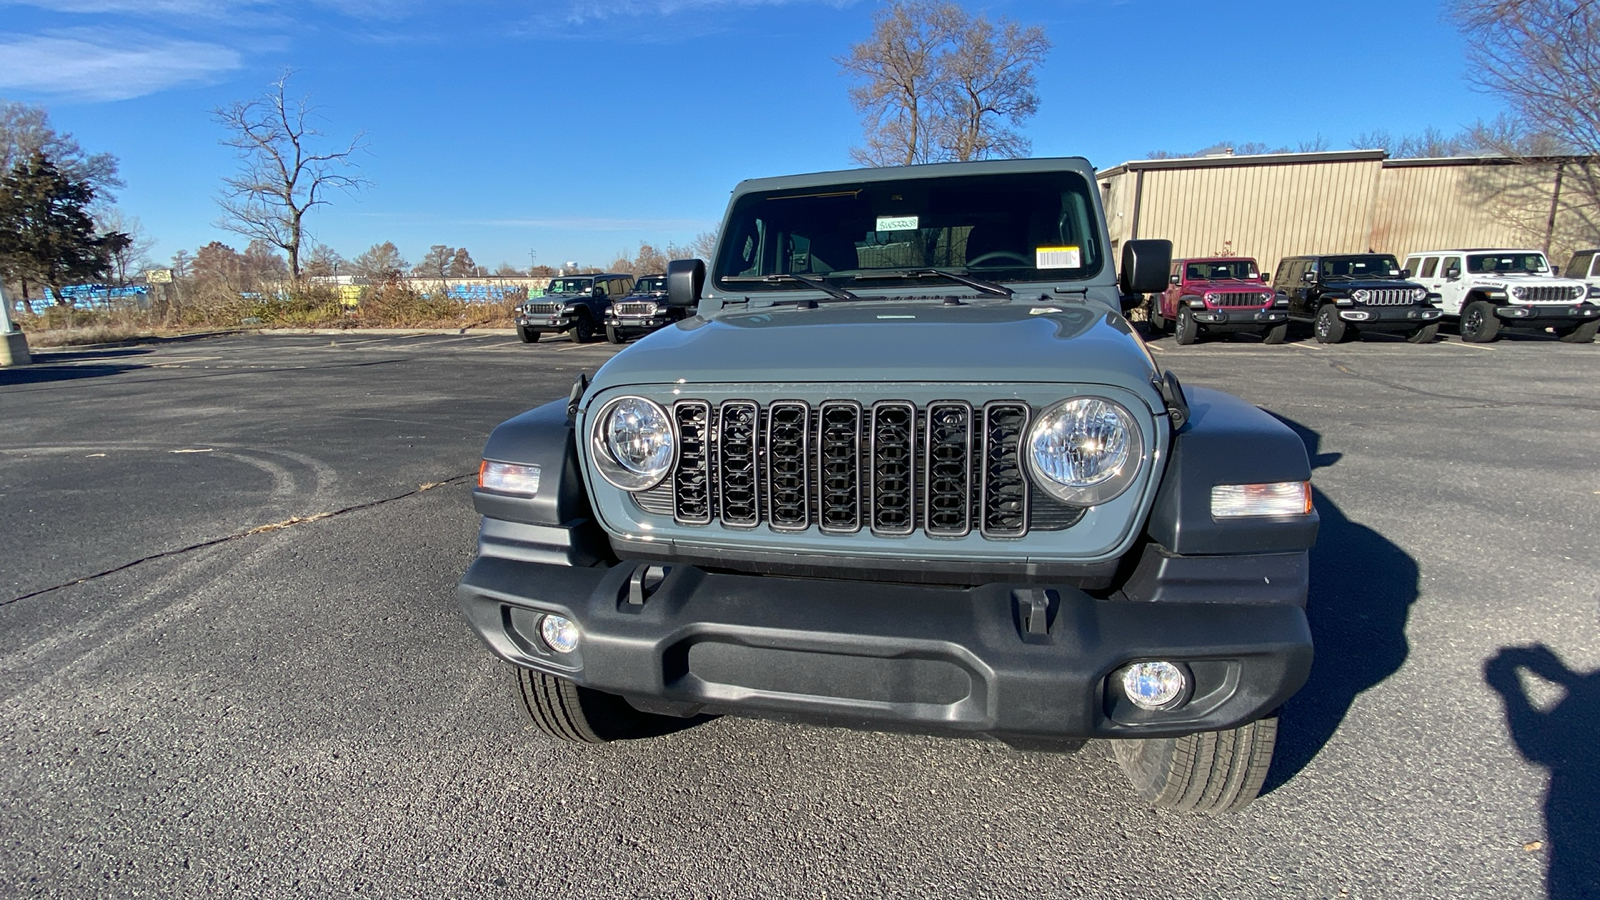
[1547, 313]
[558, 322]
[1240, 317]
[636, 324]
[964, 660]
[1394, 316]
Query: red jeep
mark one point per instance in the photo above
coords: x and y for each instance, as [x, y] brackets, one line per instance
[1215, 295]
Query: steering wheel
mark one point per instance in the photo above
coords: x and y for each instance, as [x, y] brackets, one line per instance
[1001, 254]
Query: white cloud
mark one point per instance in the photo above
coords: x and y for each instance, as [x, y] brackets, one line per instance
[580, 11]
[102, 65]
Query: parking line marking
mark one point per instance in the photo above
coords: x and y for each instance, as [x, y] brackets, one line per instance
[1466, 346]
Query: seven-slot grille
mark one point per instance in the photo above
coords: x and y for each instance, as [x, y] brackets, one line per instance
[1241, 298]
[1548, 294]
[536, 309]
[948, 468]
[1390, 297]
[634, 308]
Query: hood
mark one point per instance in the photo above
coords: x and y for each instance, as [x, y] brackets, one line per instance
[1371, 284]
[882, 341]
[1228, 284]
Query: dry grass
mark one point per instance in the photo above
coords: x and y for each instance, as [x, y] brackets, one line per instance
[215, 308]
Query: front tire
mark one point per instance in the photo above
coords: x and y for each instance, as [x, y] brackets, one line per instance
[1424, 334]
[1211, 772]
[1329, 328]
[1187, 330]
[579, 715]
[1479, 324]
[1580, 334]
[1276, 334]
[582, 330]
[1158, 325]
[612, 335]
[528, 337]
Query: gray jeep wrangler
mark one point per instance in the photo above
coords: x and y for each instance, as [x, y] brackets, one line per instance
[909, 468]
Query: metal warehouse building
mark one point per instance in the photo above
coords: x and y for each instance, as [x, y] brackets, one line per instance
[1278, 205]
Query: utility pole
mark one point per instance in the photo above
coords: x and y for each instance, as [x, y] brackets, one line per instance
[13, 343]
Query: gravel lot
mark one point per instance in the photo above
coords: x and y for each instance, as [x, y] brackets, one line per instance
[231, 661]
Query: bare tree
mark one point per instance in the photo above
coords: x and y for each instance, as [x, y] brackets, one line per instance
[507, 270]
[25, 128]
[284, 170]
[937, 84]
[1542, 57]
[988, 82]
[323, 261]
[129, 256]
[380, 263]
[704, 244]
[461, 264]
[436, 262]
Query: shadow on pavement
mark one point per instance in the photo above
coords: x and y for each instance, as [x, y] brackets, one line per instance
[67, 354]
[44, 374]
[1362, 589]
[1561, 739]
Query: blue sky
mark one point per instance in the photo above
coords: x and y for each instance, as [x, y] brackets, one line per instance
[577, 128]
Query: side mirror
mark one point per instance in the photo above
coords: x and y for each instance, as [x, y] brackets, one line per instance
[686, 278]
[1452, 273]
[598, 292]
[1145, 267]
[1555, 271]
[1177, 279]
[1405, 273]
[1310, 276]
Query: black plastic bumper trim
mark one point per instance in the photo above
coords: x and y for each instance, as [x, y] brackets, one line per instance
[960, 660]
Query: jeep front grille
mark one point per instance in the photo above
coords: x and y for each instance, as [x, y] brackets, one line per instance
[947, 469]
[542, 309]
[637, 308]
[1240, 298]
[1548, 294]
[1390, 297]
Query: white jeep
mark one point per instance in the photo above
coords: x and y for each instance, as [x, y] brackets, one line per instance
[1490, 290]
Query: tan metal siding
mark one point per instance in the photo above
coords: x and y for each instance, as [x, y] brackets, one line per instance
[1265, 212]
[1444, 206]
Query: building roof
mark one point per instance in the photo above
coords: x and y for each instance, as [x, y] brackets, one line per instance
[1265, 159]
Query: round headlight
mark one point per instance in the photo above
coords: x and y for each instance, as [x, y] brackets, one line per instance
[1419, 293]
[633, 444]
[1517, 292]
[1085, 451]
[1360, 295]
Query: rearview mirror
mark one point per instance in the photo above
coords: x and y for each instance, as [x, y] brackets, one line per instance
[1145, 266]
[686, 278]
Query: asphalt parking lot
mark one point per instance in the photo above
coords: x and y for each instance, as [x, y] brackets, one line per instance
[232, 664]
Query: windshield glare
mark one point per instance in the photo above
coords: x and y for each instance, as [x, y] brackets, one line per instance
[1379, 265]
[1488, 264]
[1220, 270]
[1023, 227]
[570, 286]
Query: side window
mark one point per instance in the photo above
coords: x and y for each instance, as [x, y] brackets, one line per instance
[1282, 274]
[1429, 267]
[624, 288]
[1595, 269]
[1452, 262]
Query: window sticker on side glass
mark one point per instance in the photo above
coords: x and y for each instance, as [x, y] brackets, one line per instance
[897, 223]
[1057, 258]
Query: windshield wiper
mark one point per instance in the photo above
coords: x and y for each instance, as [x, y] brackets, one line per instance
[988, 287]
[834, 292]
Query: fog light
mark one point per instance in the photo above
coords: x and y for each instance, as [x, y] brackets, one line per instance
[1154, 685]
[559, 632]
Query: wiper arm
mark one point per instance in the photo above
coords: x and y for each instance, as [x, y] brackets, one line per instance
[988, 287]
[807, 280]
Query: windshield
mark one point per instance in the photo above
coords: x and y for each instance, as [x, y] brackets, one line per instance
[1220, 270]
[1508, 263]
[1375, 265]
[1023, 227]
[650, 285]
[570, 286]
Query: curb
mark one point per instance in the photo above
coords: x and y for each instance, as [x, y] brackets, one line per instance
[135, 341]
[382, 331]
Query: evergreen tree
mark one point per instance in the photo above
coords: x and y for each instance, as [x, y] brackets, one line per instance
[46, 233]
[461, 264]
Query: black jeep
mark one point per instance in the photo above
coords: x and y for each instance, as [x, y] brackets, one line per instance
[1341, 296]
[575, 304]
[643, 311]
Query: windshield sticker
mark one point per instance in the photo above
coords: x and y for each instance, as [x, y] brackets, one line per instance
[897, 223]
[1057, 258]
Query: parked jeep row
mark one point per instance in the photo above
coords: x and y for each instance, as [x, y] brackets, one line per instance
[1338, 297]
